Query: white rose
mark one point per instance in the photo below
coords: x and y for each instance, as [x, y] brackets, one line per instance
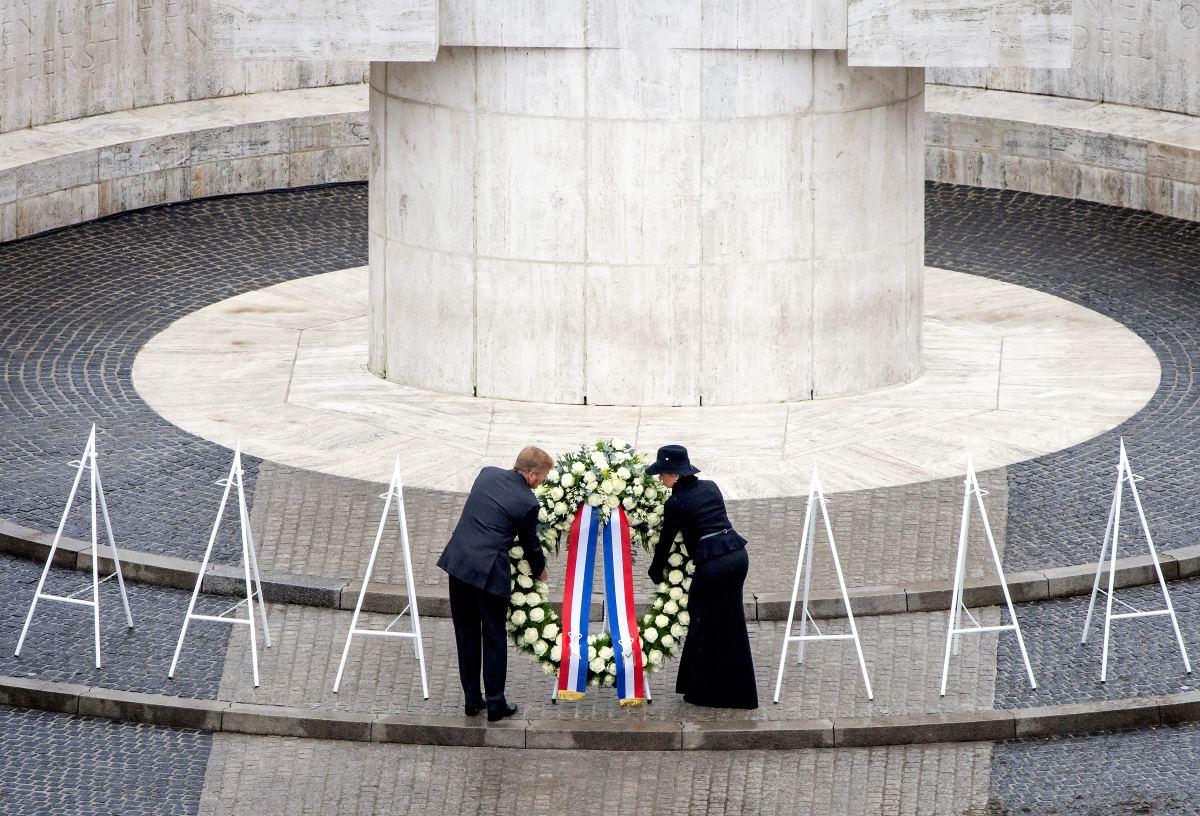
[541, 647]
[619, 444]
[599, 460]
[591, 478]
[530, 635]
[561, 509]
[638, 489]
[651, 493]
[628, 503]
[556, 493]
[552, 477]
[653, 519]
[668, 641]
[516, 552]
[517, 599]
[595, 500]
[532, 599]
[661, 621]
[518, 617]
[607, 680]
[596, 665]
[556, 653]
[591, 651]
[543, 515]
[675, 560]
[685, 618]
[537, 614]
[610, 668]
[606, 486]
[551, 630]
[567, 480]
[646, 619]
[524, 568]
[650, 635]
[578, 467]
[677, 630]
[676, 593]
[655, 657]
[606, 652]
[687, 584]
[612, 502]
[623, 473]
[524, 582]
[658, 603]
[671, 608]
[675, 576]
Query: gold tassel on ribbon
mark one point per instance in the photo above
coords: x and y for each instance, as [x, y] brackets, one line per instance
[571, 696]
[632, 702]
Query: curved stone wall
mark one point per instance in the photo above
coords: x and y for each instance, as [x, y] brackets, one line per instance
[1121, 126]
[66, 59]
[740, 215]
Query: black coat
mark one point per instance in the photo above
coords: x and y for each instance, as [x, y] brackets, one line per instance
[499, 509]
[696, 509]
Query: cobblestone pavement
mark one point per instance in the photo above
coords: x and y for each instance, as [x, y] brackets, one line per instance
[68, 766]
[77, 305]
[60, 644]
[903, 654]
[1139, 269]
[313, 523]
[294, 777]
[1144, 771]
[1143, 658]
[66, 352]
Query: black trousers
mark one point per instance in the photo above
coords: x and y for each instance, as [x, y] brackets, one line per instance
[479, 619]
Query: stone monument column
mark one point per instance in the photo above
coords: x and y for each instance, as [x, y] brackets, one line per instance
[636, 202]
[658, 227]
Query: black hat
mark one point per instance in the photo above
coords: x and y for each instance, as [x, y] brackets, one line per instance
[672, 459]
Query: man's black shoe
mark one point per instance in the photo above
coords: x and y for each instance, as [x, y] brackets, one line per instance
[501, 711]
[474, 708]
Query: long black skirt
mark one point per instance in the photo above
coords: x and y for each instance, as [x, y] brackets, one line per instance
[716, 668]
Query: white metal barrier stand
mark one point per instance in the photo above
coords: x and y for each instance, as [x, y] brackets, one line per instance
[395, 492]
[1111, 534]
[249, 569]
[86, 462]
[971, 490]
[804, 562]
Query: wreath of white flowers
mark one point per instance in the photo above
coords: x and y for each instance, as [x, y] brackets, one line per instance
[604, 475]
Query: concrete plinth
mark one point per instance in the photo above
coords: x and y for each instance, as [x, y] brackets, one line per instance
[646, 226]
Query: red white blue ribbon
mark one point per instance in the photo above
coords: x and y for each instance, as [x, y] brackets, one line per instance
[621, 615]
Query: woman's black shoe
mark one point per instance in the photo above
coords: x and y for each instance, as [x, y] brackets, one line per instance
[501, 711]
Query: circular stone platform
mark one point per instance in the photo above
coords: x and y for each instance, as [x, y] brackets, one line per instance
[1010, 373]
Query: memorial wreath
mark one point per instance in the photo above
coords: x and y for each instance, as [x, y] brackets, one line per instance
[600, 496]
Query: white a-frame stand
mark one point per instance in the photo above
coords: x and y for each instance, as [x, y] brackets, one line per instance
[249, 569]
[1111, 534]
[816, 501]
[87, 462]
[395, 492]
[971, 490]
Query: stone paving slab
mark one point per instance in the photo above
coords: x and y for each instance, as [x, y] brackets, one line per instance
[903, 654]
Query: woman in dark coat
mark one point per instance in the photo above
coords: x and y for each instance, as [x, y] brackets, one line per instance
[716, 668]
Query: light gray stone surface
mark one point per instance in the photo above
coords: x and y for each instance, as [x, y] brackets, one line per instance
[960, 33]
[76, 58]
[326, 29]
[685, 206]
[1114, 154]
[64, 173]
[1143, 53]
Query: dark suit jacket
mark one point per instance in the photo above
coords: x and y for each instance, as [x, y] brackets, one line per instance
[500, 508]
[695, 508]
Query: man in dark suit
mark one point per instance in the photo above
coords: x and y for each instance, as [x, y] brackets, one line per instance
[500, 508]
